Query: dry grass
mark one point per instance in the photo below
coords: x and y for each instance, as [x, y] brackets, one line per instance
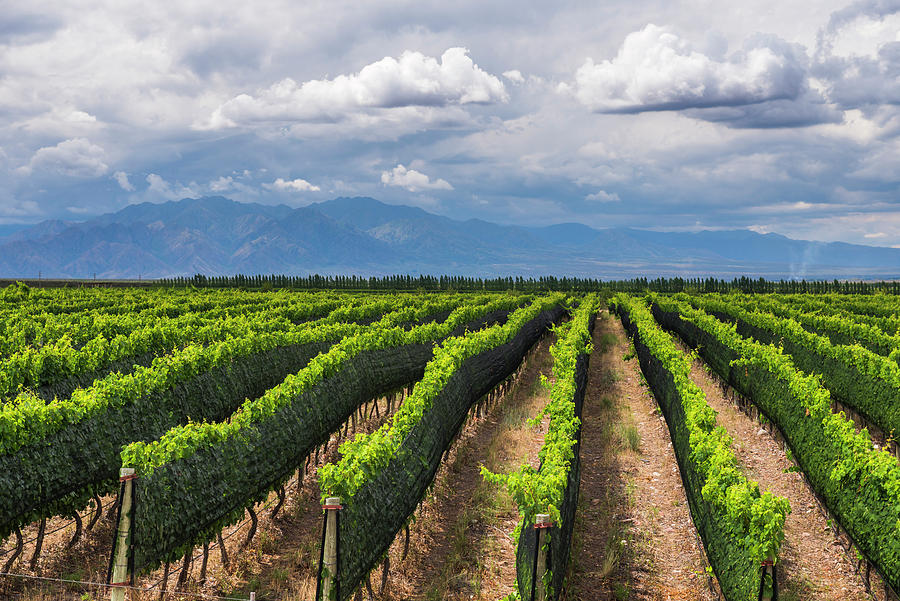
[630, 436]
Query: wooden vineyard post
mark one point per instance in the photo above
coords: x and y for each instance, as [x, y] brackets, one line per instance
[328, 584]
[542, 524]
[120, 577]
[768, 569]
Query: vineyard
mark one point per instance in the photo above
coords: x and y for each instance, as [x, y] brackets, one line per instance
[317, 444]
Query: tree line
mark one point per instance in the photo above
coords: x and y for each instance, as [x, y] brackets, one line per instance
[530, 284]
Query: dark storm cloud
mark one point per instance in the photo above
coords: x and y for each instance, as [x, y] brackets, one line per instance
[811, 109]
[709, 118]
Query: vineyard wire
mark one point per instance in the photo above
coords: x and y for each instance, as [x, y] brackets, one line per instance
[214, 545]
[104, 585]
[58, 528]
[238, 527]
[211, 546]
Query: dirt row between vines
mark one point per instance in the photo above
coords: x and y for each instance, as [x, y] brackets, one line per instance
[634, 538]
[461, 547]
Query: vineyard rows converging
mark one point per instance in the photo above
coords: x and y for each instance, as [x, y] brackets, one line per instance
[178, 412]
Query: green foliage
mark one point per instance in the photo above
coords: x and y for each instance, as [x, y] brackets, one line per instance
[840, 325]
[549, 488]
[182, 441]
[198, 477]
[15, 293]
[28, 419]
[54, 455]
[398, 477]
[861, 485]
[860, 378]
[44, 349]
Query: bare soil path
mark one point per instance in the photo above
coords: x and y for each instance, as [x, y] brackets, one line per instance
[812, 564]
[461, 546]
[635, 539]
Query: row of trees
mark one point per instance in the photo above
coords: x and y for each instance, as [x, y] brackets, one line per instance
[552, 283]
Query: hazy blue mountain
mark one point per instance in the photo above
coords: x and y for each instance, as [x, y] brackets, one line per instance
[412, 230]
[567, 234]
[215, 235]
[745, 245]
[14, 233]
[7, 230]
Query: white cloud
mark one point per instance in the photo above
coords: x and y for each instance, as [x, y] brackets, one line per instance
[62, 121]
[158, 184]
[658, 70]
[603, 196]
[881, 164]
[858, 55]
[412, 180]
[412, 80]
[879, 225]
[384, 124]
[122, 179]
[865, 81]
[75, 158]
[25, 208]
[859, 24]
[743, 167]
[76, 116]
[514, 76]
[222, 184]
[294, 185]
[160, 187]
[136, 85]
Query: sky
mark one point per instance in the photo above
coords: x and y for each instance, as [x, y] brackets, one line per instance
[663, 114]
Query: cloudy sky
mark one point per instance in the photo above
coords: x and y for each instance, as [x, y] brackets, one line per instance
[667, 114]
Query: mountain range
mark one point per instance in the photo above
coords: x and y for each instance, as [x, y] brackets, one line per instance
[217, 236]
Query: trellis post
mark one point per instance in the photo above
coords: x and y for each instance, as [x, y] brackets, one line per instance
[768, 569]
[121, 577]
[328, 579]
[542, 526]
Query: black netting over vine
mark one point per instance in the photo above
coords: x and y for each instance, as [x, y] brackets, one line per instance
[185, 502]
[85, 455]
[378, 510]
[63, 388]
[561, 533]
[865, 391]
[738, 575]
